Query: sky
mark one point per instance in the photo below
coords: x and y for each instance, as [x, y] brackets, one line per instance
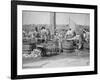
[36, 17]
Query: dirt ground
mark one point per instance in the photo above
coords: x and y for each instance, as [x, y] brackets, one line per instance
[64, 59]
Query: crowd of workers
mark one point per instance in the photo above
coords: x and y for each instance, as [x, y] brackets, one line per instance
[44, 35]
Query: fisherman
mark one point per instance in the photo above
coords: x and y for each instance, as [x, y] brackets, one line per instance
[86, 35]
[43, 33]
[31, 34]
[23, 33]
[70, 33]
[48, 34]
[59, 38]
[36, 32]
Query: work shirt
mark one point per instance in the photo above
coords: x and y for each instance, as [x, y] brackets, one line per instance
[44, 34]
[70, 34]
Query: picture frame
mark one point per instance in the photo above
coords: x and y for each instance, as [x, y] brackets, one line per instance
[19, 11]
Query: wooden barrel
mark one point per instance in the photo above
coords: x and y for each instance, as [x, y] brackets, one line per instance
[86, 45]
[26, 47]
[68, 46]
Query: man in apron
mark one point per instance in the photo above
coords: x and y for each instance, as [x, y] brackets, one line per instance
[70, 33]
[43, 34]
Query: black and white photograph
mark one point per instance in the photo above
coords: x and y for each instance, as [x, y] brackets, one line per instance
[55, 39]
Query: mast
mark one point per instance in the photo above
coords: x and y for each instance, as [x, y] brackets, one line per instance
[69, 21]
[53, 21]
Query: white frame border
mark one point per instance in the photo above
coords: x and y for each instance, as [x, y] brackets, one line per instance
[21, 71]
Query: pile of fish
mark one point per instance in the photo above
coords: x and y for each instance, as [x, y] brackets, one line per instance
[34, 54]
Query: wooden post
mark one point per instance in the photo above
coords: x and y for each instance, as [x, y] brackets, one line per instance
[53, 22]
